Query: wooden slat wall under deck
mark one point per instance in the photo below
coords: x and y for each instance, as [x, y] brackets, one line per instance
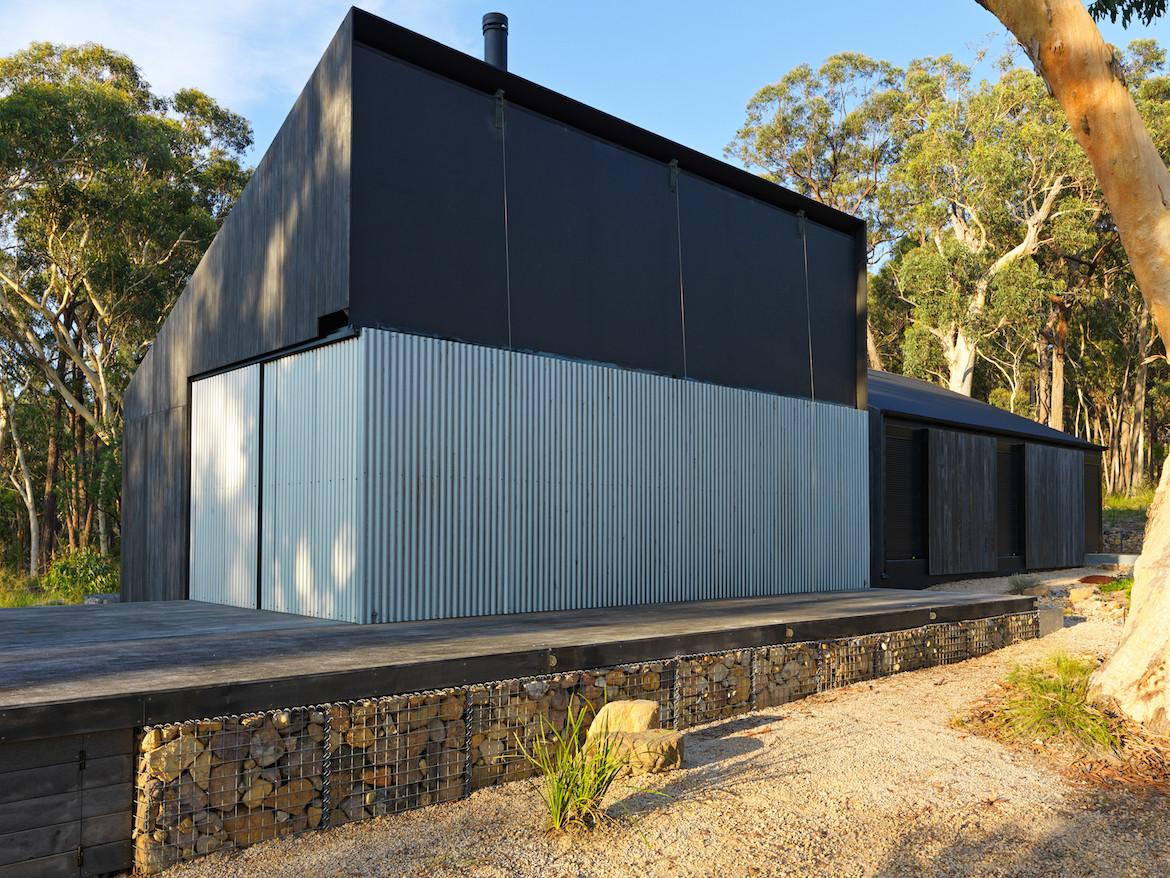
[58, 818]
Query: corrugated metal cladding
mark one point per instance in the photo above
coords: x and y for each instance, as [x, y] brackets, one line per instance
[412, 478]
[503, 482]
[224, 487]
[313, 477]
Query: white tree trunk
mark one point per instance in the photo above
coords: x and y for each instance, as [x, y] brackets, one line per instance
[1084, 77]
[961, 363]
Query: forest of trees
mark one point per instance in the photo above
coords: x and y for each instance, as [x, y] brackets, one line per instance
[109, 194]
[995, 267]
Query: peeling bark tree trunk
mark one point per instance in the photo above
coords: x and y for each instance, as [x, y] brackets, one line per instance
[1086, 80]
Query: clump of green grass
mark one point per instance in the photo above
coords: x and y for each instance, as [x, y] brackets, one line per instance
[19, 591]
[1124, 583]
[573, 775]
[1018, 583]
[1049, 703]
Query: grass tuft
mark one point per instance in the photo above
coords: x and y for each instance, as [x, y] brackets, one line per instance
[574, 776]
[1018, 583]
[1048, 703]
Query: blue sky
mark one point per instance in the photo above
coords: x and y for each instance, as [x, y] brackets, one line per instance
[683, 69]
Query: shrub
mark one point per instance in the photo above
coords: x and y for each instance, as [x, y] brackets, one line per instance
[1125, 584]
[73, 576]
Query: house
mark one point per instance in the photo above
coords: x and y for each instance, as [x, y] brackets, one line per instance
[963, 489]
[466, 346]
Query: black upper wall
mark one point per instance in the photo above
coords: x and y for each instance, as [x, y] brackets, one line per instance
[529, 221]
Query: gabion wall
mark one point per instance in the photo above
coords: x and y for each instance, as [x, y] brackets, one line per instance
[207, 785]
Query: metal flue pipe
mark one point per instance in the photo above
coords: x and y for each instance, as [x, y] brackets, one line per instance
[495, 39]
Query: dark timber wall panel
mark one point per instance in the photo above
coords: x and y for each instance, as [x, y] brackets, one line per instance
[280, 261]
[66, 805]
[1054, 506]
[962, 502]
[1092, 502]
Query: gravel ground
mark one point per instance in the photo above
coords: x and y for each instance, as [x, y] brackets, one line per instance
[871, 780]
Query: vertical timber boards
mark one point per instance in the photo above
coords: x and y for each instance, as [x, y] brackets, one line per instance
[961, 485]
[1054, 485]
[66, 805]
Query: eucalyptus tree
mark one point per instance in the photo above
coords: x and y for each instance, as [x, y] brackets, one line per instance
[1087, 79]
[987, 180]
[109, 195]
[832, 134]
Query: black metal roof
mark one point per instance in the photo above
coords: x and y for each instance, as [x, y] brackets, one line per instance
[385, 36]
[923, 401]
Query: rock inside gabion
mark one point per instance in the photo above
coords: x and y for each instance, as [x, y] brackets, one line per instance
[205, 786]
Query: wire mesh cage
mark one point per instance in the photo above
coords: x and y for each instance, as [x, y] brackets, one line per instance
[786, 673]
[944, 644]
[984, 636]
[712, 686]
[904, 651]
[218, 783]
[393, 754]
[849, 660]
[512, 717]
[1021, 627]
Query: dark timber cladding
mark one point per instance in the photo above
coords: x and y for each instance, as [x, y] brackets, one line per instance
[280, 262]
[961, 484]
[66, 805]
[1053, 479]
[416, 188]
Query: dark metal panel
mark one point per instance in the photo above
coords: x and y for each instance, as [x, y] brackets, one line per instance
[135, 578]
[429, 253]
[1009, 500]
[593, 248]
[832, 275]
[418, 50]
[877, 498]
[1054, 506]
[905, 506]
[961, 492]
[102, 859]
[743, 291]
[929, 403]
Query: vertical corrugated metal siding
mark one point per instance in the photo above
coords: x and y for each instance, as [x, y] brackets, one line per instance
[225, 487]
[313, 484]
[503, 482]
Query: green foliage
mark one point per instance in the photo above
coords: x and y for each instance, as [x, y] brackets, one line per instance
[1048, 703]
[1128, 510]
[83, 572]
[1124, 584]
[19, 591]
[574, 775]
[1145, 10]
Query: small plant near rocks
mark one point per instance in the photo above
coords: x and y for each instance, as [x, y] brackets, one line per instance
[71, 577]
[1122, 584]
[1048, 703]
[1018, 583]
[574, 775]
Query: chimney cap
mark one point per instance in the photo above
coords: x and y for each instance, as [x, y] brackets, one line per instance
[495, 20]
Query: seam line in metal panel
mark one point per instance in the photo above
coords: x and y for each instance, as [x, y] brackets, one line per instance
[260, 492]
[682, 306]
[500, 110]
